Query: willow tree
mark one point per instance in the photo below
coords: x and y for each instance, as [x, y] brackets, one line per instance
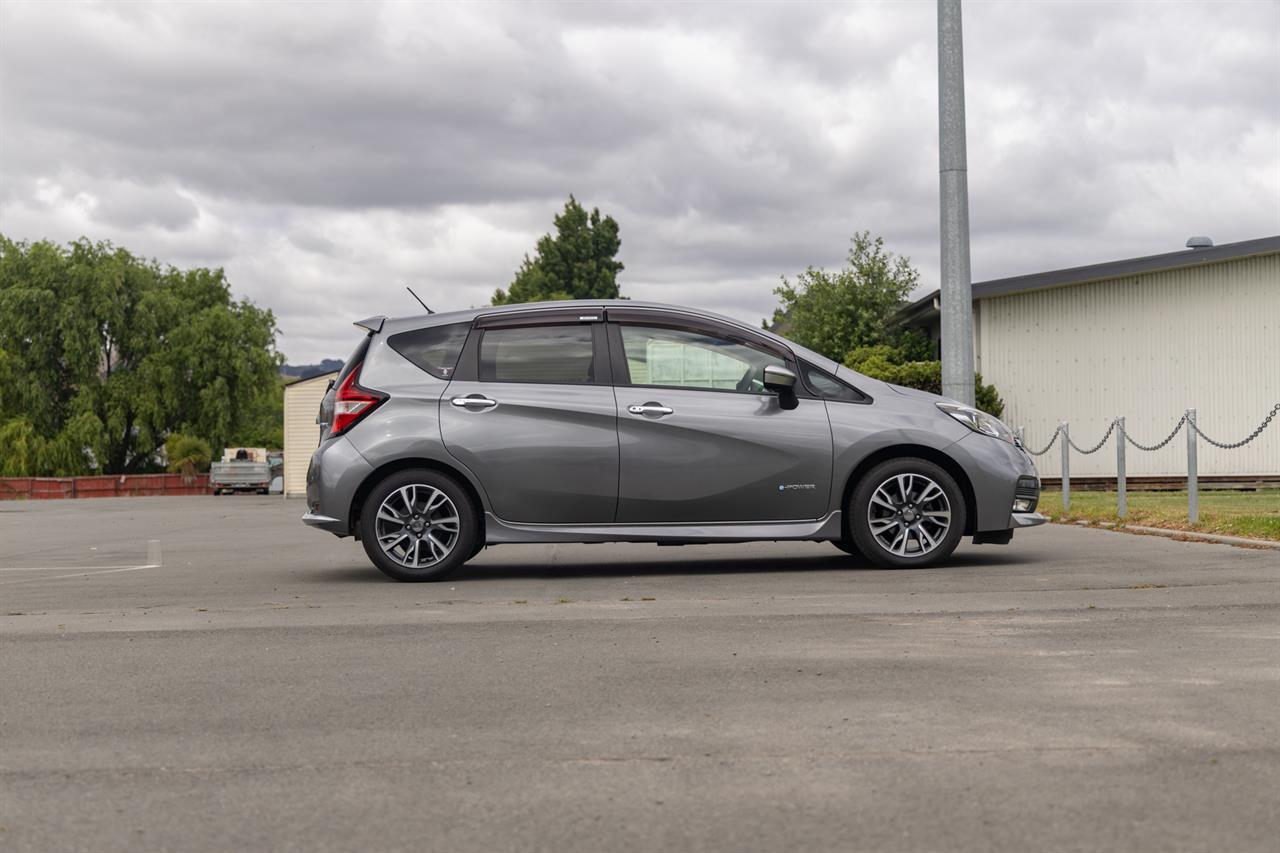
[103, 355]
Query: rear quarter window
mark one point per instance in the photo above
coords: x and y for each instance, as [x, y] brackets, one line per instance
[434, 349]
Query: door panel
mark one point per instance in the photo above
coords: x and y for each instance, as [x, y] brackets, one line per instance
[700, 438]
[531, 412]
[721, 456]
[544, 453]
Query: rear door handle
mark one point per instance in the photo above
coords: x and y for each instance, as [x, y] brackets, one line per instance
[475, 402]
[655, 410]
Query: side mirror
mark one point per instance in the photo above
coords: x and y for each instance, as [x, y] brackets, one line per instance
[781, 381]
[778, 378]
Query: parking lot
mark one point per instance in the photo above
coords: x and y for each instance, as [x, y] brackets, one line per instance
[192, 673]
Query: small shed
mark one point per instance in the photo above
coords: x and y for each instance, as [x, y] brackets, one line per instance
[301, 433]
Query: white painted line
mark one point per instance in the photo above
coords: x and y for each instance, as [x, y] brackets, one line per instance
[154, 561]
[68, 568]
[80, 574]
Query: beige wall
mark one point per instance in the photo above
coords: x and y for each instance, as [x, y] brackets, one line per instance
[1146, 347]
[301, 434]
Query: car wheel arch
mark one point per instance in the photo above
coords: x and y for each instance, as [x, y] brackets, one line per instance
[382, 472]
[919, 451]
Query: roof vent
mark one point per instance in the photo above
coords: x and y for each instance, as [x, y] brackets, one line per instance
[1199, 243]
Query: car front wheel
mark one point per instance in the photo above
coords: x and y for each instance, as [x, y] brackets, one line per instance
[907, 513]
[419, 525]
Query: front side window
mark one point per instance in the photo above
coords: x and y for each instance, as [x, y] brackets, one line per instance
[556, 355]
[828, 387]
[685, 359]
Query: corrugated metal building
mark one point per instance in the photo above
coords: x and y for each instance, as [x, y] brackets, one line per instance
[301, 434]
[1145, 338]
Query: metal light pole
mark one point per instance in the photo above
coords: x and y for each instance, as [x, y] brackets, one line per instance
[956, 287]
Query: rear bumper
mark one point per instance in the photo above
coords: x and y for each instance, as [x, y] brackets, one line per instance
[336, 471]
[325, 522]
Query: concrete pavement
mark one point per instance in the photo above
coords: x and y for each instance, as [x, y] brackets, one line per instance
[265, 688]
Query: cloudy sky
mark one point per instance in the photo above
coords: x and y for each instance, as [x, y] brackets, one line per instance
[326, 154]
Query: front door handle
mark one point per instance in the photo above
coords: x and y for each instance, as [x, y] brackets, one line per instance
[655, 410]
[474, 402]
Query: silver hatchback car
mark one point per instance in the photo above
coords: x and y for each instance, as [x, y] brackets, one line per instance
[631, 422]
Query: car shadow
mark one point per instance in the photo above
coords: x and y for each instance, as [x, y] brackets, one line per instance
[492, 566]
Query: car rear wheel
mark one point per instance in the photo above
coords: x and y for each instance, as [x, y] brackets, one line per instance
[907, 513]
[419, 525]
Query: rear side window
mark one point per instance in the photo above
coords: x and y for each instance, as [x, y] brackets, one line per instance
[555, 355]
[435, 349]
[828, 387]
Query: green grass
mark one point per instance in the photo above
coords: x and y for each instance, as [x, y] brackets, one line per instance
[1255, 515]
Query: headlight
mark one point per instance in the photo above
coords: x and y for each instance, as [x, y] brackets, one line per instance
[979, 421]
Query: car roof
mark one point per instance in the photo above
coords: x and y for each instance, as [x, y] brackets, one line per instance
[392, 325]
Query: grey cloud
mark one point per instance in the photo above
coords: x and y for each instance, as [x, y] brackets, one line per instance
[326, 152]
[134, 206]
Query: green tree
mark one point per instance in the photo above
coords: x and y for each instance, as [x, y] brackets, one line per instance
[577, 263]
[263, 422]
[845, 315]
[889, 364]
[103, 355]
[836, 312]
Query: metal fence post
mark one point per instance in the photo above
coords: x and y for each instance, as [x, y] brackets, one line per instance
[1122, 502]
[1066, 466]
[1193, 485]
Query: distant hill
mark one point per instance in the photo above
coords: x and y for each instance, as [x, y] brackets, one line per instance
[306, 371]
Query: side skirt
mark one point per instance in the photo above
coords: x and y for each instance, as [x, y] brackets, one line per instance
[499, 532]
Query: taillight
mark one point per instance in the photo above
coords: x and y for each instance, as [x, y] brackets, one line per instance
[351, 402]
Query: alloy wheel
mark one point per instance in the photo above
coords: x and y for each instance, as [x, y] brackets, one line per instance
[417, 526]
[909, 515]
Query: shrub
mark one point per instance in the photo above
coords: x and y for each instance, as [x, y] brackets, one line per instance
[887, 364]
[187, 454]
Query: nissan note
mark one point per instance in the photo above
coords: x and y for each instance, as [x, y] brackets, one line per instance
[621, 421]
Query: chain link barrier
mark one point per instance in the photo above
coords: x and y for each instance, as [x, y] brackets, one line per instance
[1234, 444]
[1176, 428]
[1193, 430]
[1098, 446]
[1224, 445]
[1056, 433]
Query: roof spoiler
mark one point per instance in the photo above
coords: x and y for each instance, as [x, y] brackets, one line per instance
[373, 324]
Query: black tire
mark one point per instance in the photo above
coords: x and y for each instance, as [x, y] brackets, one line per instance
[462, 548]
[910, 515]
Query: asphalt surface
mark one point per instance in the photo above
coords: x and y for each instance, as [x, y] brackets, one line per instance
[263, 687]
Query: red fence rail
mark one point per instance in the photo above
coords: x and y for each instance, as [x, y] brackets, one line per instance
[108, 486]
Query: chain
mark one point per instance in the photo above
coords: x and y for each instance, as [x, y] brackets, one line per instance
[1047, 446]
[1176, 427]
[1225, 446]
[1097, 446]
[1275, 410]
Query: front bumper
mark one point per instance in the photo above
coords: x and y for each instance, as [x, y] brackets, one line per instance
[1028, 519]
[999, 473]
